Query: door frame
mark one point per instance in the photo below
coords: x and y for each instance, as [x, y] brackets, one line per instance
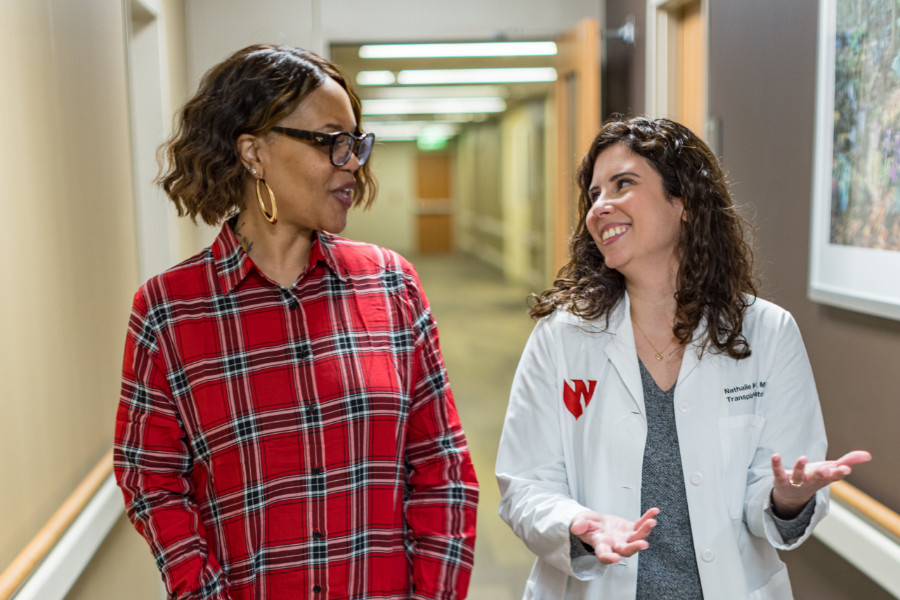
[662, 31]
[577, 98]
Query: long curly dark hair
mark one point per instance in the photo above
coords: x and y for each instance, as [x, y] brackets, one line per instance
[249, 92]
[715, 275]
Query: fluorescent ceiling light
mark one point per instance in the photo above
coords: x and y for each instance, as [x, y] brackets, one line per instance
[430, 91]
[457, 50]
[374, 78]
[372, 125]
[446, 76]
[409, 130]
[419, 106]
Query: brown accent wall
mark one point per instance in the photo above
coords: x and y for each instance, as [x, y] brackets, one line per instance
[762, 79]
[762, 87]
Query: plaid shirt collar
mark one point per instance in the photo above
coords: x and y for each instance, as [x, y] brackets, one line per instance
[232, 263]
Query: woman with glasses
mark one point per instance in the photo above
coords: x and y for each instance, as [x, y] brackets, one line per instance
[663, 436]
[286, 428]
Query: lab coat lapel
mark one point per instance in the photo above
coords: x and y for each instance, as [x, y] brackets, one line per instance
[622, 352]
[691, 358]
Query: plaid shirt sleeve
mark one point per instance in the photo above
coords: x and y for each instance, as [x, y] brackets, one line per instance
[443, 489]
[152, 464]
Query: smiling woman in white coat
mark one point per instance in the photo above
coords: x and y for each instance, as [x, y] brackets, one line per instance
[641, 455]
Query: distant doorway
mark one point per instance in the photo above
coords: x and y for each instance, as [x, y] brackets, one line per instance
[677, 66]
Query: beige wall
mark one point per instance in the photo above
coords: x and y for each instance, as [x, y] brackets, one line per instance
[67, 247]
[391, 220]
[68, 266]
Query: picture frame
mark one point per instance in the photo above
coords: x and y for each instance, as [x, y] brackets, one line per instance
[855, 220]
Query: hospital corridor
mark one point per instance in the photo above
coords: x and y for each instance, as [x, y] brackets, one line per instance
[477, 119]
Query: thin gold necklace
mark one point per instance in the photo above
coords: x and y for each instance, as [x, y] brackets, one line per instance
[659, 355]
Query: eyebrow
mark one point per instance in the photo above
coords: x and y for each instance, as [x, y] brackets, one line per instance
[615, 178]
[337, 127]
[622, 174]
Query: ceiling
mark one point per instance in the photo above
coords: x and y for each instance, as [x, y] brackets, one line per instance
[346, 56]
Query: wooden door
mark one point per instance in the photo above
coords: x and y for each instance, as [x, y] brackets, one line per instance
[577, 96]
[434, 218]
[677, 34]
[691, 67]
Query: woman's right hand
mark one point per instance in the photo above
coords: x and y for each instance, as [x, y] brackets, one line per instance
[612, 537]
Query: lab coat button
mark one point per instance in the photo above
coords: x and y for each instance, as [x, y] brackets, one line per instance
[697, 478]
[708, 555]
[684, 407]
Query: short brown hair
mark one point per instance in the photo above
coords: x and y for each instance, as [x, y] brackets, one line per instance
[715, 279]
[249, 92]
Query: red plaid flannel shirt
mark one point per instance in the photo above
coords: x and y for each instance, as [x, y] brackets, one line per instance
[294, 443]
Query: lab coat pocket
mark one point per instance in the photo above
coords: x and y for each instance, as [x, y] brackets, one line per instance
[739, 436]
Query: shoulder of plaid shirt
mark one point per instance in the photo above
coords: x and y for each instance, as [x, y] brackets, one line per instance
[240, 421]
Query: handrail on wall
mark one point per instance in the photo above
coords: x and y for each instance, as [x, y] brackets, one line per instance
[867, 507]
[18, 572]
[37, 549]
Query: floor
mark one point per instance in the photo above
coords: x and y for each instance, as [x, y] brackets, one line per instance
[483, 324]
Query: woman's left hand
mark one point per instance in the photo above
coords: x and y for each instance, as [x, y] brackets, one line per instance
[793, 489]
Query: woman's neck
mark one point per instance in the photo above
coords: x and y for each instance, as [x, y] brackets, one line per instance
[652, 299]
[653, 307]
[279, 250]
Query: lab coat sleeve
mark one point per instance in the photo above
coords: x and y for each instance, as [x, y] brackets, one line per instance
[793, 427]
[536, 501]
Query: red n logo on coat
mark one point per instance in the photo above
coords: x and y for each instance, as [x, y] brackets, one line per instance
[572, 395]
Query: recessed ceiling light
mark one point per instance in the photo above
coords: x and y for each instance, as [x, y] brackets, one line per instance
[431, 91]
[409, 130]
[420, 106]
[375, 78]
[448, 76]
[457, 50]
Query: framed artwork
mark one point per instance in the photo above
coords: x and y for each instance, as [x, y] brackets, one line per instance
[855, 236]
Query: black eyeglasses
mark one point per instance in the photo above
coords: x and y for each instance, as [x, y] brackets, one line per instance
[342, 143]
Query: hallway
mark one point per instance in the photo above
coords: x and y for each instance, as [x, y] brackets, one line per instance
[483, 324]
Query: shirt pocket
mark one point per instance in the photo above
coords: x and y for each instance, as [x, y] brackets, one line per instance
[739, 436]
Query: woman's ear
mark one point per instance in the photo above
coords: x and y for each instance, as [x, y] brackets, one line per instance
[248, 151]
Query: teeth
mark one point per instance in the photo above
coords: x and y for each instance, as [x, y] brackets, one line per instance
[613, 231]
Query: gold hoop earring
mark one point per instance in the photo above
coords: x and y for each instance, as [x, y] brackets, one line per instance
[271, 218]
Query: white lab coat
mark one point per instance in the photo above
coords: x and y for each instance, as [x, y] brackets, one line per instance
[731, 417]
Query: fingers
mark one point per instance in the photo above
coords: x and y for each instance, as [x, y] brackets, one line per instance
[812, 476]
[854, 458]
[643, 526]
[651, 512]
[778, 467]
[579, 526]
[632, 548]
[584, 522]
[798, 475]
[613, 537]
[608, 556]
